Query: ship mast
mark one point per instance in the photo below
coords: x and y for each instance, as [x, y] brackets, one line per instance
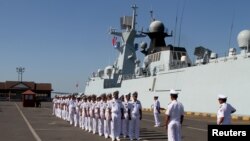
[134, 16]
[152, 16]
[125, 64]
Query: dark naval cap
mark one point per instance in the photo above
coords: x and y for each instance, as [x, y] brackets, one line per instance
[103, 95]
[135, 94]
[128, 94]
[116, 93]
[122, 96]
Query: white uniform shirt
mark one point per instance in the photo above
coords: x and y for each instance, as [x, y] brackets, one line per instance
[116, 106]
[107, 108]
[96, 109]
[61, 103]
[54, 101]
[135, 108]
[77, 105]
[127, 106]
[102, 108]
[83, 107]
[72, 104]
[91, 109]
[88, 107]
[225, 111]
[175, 110]
[67, 102]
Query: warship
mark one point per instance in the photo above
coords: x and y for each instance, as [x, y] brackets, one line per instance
[165, 67]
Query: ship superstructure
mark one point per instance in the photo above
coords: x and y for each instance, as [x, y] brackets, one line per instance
[166, 66]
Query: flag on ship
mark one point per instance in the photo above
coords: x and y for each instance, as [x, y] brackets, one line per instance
[114, 43]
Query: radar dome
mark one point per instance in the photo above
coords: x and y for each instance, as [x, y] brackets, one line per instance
[244, 38]
[156, 26]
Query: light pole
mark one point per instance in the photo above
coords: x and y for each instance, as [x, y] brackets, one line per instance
[20, 71]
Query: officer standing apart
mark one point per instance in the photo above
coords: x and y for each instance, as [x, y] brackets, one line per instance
[225, 111]
[156, 107]
[174, 117]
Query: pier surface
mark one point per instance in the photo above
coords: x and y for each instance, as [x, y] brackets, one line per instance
[38, 124]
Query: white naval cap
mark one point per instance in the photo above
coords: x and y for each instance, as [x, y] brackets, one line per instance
[221, 96]
[172, 91]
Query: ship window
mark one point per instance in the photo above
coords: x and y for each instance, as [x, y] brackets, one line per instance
[158, 56]
[154, 57]
[179, 55]
[150, 57]
[174, 56]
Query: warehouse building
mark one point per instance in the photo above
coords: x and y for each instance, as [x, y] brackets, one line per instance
[12, 90]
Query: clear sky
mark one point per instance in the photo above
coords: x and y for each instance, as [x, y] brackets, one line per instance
[63, 41]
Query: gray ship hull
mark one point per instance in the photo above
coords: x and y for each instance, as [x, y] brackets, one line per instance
[199, 86]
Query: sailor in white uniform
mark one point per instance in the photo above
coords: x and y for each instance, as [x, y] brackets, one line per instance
[174, 117]
[127, 116]
[72, 109]
[66, 108]
[225, 111]
[60, 102]
[116, 113]
[102, 115]
[107, 120]
[54, 105]
[64, 112]
[84, 113]
[80, 112]
[96, 113]
[156, 110]
[77, 112]
[136, 116]
[90, 114]
[122, 116]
